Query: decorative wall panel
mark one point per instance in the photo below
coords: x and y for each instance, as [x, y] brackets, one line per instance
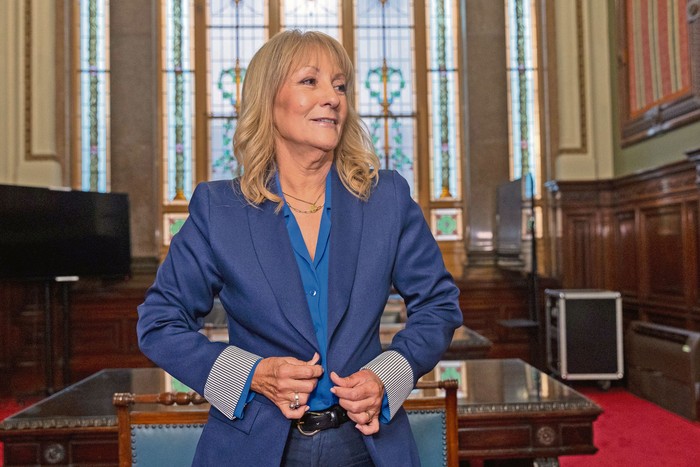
[659, 66]
[626, 265]
[661, 237]
[638, 235]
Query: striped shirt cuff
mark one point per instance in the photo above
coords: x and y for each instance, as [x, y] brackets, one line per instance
[227, 379]
[397, 376]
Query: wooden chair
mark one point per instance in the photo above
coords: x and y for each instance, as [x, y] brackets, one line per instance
[161, 435]
[169, 437]
[434, 424]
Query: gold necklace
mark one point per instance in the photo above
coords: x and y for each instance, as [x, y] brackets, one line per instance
[314, 206]
[310, 211]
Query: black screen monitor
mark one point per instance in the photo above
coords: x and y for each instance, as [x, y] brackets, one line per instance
[510, 218]
[54, 233]
[515, 242]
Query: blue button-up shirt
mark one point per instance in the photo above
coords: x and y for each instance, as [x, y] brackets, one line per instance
[314, 277]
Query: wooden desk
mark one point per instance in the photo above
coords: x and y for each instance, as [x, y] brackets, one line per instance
[77, 425]
[507, 409]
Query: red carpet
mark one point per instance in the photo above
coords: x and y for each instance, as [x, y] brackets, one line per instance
[634, 432]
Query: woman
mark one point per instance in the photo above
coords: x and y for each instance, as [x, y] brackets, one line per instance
[302, 250]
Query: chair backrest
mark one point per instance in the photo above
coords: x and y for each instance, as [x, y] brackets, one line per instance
[159, 435]
[169, 436]
[434, 424]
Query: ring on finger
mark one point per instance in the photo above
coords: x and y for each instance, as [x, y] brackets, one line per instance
[370, 417]
[295, 405]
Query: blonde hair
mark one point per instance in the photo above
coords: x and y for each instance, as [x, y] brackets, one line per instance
[254, 138]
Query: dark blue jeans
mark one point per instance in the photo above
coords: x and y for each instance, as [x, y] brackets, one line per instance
[334, 447]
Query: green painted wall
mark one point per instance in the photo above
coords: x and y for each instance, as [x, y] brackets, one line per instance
[659, 150]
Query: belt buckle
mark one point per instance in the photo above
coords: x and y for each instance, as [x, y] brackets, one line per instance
[300, 423]
[310, 433]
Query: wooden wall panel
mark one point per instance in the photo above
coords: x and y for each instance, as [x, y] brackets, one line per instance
[22, 332]
[624, 252]
[691, 229]
[101, 332]
[661, 243]
[104, 329]
[96, 336]
[581, 247]
[491, 297]
[638, 235]
[581, 208]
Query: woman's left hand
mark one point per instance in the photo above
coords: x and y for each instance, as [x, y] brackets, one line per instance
[361, 395]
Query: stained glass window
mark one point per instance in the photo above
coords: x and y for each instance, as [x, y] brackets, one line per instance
[444, 100]
[522, 89]
[235, 31]
[385, 65]
[396, 61]
[94, 95]
[319, 15]
[178, 89]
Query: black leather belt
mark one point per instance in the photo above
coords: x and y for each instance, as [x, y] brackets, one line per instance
[314, 421]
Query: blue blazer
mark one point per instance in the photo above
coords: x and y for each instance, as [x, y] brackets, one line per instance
[243, 253]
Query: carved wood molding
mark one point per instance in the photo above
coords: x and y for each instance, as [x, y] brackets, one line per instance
[579, 193]
[676, 179]
[528, 407]
[672, 180]
[693, 156]
[58, 423]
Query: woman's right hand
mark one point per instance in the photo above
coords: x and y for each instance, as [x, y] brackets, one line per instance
[280, 379]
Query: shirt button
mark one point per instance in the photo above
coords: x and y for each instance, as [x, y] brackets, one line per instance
[313, 292]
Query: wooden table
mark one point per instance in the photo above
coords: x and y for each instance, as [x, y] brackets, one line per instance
[507, 410]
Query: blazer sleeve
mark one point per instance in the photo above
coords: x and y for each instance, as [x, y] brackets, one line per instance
[431, 297]
[181, 295]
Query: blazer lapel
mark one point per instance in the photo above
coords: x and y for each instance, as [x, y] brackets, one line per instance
[346, 230]
[276, 257]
